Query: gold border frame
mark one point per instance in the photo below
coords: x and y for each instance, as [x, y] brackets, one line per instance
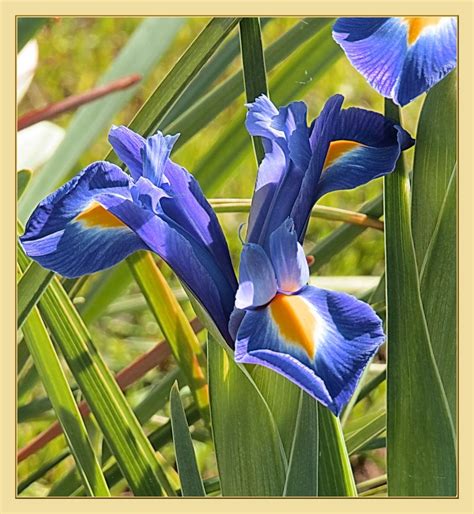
[464, 11]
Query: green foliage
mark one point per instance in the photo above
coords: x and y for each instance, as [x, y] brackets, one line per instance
[420, 432]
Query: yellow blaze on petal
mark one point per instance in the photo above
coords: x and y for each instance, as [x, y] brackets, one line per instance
[96, 216]
[416, 26]
[338, 149]
[295, 321]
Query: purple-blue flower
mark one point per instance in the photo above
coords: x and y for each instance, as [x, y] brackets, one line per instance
[103, 215]
[320, 340]
[401, 58]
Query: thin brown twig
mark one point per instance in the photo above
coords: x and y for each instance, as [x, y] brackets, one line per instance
[125, 378]
[74, 101]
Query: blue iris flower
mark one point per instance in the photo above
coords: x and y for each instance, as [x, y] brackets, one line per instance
[401, 58]
[320, 340]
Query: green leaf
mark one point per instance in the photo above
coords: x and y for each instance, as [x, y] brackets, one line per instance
[253, 64]
[303, 466]
[434, 224]
[335, 473]
[149, 117]
[361, 437]
[338, 239]
[120, 427]
[42, 470]
[208, 107]
[27, 28]
[54, 380]
[435, 158]
[143, 50]
[31, 286]
[22, 177]
[314, 58]
[174, 325]
[438, 273]
[249, 453]
[421, 451]
[191, 481]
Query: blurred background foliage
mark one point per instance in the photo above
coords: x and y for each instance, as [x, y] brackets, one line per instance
[73, 54]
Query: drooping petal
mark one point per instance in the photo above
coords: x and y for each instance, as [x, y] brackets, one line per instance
[72, 233]
[288, 258]
[320, 340]
[189, 259]
[376, 47]
[285, 136]
[257, 282]
[365, 145]
[429, 59]
[189, 208]
[401, 58]
[128, 146]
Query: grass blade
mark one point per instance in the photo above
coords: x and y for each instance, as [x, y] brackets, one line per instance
[143, 50]
[434, 224]
[110, 408]
[249, 452]
[335, 473]
[31, 286]
[23, 177]
[206, 109]
[191, 481]
[253, 64]
[364, 435]
[303, 466]
[149, 117]
[420, 433]
[174, 326]
[53, 378]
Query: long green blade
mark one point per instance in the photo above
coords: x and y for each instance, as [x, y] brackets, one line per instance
[148, 119]
[434, 224]
[52, 376]
[120, 427]
[248, 449]
[143, 50]
[303, 466]
[191, 481]
[175, 326]
[208, 107]
[335, 473]
[367, 433]
[420, 434]
[31, 286]
[253, 65]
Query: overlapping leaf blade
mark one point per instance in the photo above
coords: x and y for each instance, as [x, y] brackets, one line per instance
[421, 456]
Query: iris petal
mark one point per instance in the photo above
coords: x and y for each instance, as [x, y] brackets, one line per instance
[288, 258]
[431, 58]
[376, 47]
[71, 233]
[257, 282]
[422, 52]
[128, 146]
[345, 334]
[155, 155]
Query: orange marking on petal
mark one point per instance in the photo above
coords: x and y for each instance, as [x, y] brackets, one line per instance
[295, 321]
[338, 149]
[416, 26]
[96, 216]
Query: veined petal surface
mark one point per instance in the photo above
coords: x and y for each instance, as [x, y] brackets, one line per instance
[320, 340]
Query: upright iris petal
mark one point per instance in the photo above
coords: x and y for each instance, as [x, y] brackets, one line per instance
[401, 58]
[102, 215]
[320, 340]
[341, 149]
